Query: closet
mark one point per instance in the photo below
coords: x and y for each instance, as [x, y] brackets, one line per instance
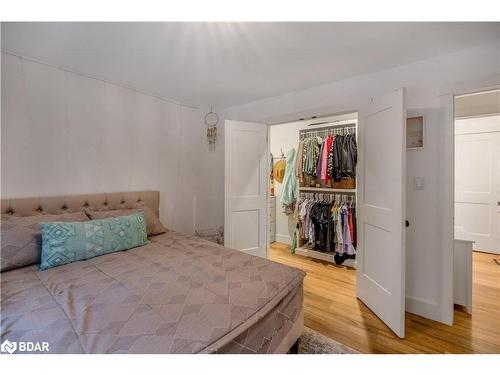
[326, 205]
[322, 222]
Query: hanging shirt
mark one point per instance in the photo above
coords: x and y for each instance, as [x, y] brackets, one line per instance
[351, 224]
[352, 154]
[311, 159]
[299, 161]
[329, 171]
[301, 214]
[337, 158]
[289, 189]
[304, 157]
[347, 241]
[320, 159]
[324, 159]
[339, 235]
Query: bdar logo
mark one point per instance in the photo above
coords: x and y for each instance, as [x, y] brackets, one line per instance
[9, 347]
[24, 346]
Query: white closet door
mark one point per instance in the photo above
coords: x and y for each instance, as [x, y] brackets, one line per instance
[380, 208]
[246, 176]
[477, 184]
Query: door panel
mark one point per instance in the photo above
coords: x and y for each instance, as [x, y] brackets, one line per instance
[246, 187]
[380, 208]
[477, 185]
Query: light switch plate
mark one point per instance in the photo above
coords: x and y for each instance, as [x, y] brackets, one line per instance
[418, 183]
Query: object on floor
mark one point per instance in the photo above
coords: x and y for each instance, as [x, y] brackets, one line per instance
[313, 342]
[212, 235]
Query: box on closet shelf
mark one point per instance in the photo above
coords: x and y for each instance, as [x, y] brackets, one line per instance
[345, 183]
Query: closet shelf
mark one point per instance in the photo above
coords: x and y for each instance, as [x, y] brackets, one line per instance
[327, 190]
[323, 256]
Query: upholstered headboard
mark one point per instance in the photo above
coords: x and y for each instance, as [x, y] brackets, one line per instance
[75, 203]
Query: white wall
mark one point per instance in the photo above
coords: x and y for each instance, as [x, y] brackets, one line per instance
[427, 289]
[422, 211]
[283, 137]
[63, 133]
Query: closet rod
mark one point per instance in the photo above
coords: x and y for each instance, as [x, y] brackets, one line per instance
[326, 132]
[350, 125]
[337, 196]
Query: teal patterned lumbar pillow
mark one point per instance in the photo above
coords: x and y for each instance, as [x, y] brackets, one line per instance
[64, 242]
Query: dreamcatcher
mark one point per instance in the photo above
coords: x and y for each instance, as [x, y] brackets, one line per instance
[211, 121]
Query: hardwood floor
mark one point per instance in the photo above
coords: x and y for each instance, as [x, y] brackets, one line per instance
[331, 308]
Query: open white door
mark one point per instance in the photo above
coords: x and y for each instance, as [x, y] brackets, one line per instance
[477, 190]
[380, 208]
[245, 215]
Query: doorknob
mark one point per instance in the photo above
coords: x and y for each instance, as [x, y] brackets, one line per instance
[407, 223]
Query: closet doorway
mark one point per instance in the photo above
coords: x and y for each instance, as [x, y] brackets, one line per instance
[292, 220]
[477, 170]
[367, 198]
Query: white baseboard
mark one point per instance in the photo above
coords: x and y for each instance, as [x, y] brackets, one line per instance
[283, 239]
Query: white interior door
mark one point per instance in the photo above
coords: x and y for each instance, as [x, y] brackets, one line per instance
[246, 187]
[380, 208]
[477, 182]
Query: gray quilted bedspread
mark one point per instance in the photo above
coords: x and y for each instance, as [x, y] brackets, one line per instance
[178, 294]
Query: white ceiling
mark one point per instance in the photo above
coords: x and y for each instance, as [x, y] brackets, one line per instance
[227, 64]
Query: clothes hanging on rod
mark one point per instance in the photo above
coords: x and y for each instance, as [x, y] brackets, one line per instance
[333, 155]
[299, 160]
[342, 157]
[323, 162]
[289, 188]
[327, 223]
[311, 155]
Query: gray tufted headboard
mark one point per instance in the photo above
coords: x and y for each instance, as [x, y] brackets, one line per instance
[75, 203]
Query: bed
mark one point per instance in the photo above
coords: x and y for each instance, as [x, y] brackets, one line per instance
[177, 294]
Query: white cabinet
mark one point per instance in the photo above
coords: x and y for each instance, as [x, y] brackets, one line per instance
[462, 273]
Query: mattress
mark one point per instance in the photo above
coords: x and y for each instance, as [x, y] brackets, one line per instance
[178, 294]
